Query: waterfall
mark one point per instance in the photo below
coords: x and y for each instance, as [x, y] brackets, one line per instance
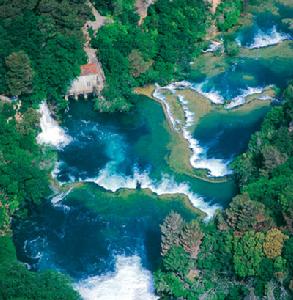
[51, 133]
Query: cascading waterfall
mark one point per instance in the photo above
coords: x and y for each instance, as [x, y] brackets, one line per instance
[129, 281]
[51, 133]
[266, 38]
[113, 181]
[216, 167]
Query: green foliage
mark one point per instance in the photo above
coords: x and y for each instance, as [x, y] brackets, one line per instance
[177, 261]
[117, 8]
[268, 148]
[41, 38]
[228, 13]
[19, 73]
[180, 247]
[248, 253]
[288, 254]
[231, 47]
[244, 214]
[16, 282]
[23, 184]
[158, 51]
[245, 249]
[215, 254]
[20, 164]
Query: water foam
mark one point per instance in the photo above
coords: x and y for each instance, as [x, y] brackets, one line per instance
[110, 180]
[51, 133]
[214, 96]
[130, 281]
[216, 167]
[214, 46]
[160, 96]
[269, 38]
[240, 99]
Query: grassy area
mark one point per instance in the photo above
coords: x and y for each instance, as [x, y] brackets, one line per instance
[209, 64]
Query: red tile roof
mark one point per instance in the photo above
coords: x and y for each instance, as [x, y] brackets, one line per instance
[89, 69]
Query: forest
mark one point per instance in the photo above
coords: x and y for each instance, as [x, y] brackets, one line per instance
[247, 249]
[41, 48]
[24, 185]
[159, 51]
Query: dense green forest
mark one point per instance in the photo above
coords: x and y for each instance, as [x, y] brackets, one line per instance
[17, 282]
[246, 249]
[24, 184]
[160, 50]
[41, 45]
[22, 167]
[41, 48]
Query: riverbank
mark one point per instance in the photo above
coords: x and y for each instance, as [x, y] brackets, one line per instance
[196, 106]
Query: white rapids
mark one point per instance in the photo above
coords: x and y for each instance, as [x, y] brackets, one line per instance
[51, 133]
[216, 167]
[264, 39]
[129, 281]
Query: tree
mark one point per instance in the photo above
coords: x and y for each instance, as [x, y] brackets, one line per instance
[191, 237]
[19, 73]
[248, 253]
[171, 230]
[177, 261]
[288, 253]
[274, 242]
[244, 214]
[272, 157]
[137, 64]
[228, 13]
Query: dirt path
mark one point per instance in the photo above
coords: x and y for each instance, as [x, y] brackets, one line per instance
[91, 53]
[142, 8]
[215, 3]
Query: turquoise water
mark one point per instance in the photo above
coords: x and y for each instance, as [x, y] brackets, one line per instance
[263, 67]
[225, 135]
[84, 239]
[85, 233]
[265, 22]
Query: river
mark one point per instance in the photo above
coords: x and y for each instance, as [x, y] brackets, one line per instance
[105, 233]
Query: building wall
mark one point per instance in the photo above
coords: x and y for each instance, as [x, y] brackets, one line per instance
[84, 85]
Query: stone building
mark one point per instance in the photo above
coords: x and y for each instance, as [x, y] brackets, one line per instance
[90, 81]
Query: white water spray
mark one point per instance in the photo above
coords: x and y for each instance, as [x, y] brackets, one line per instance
[240, 99]
[160, 96]
[216, 167]
[51, 134]
[130, 281]
[110, 180]
[265, 39]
